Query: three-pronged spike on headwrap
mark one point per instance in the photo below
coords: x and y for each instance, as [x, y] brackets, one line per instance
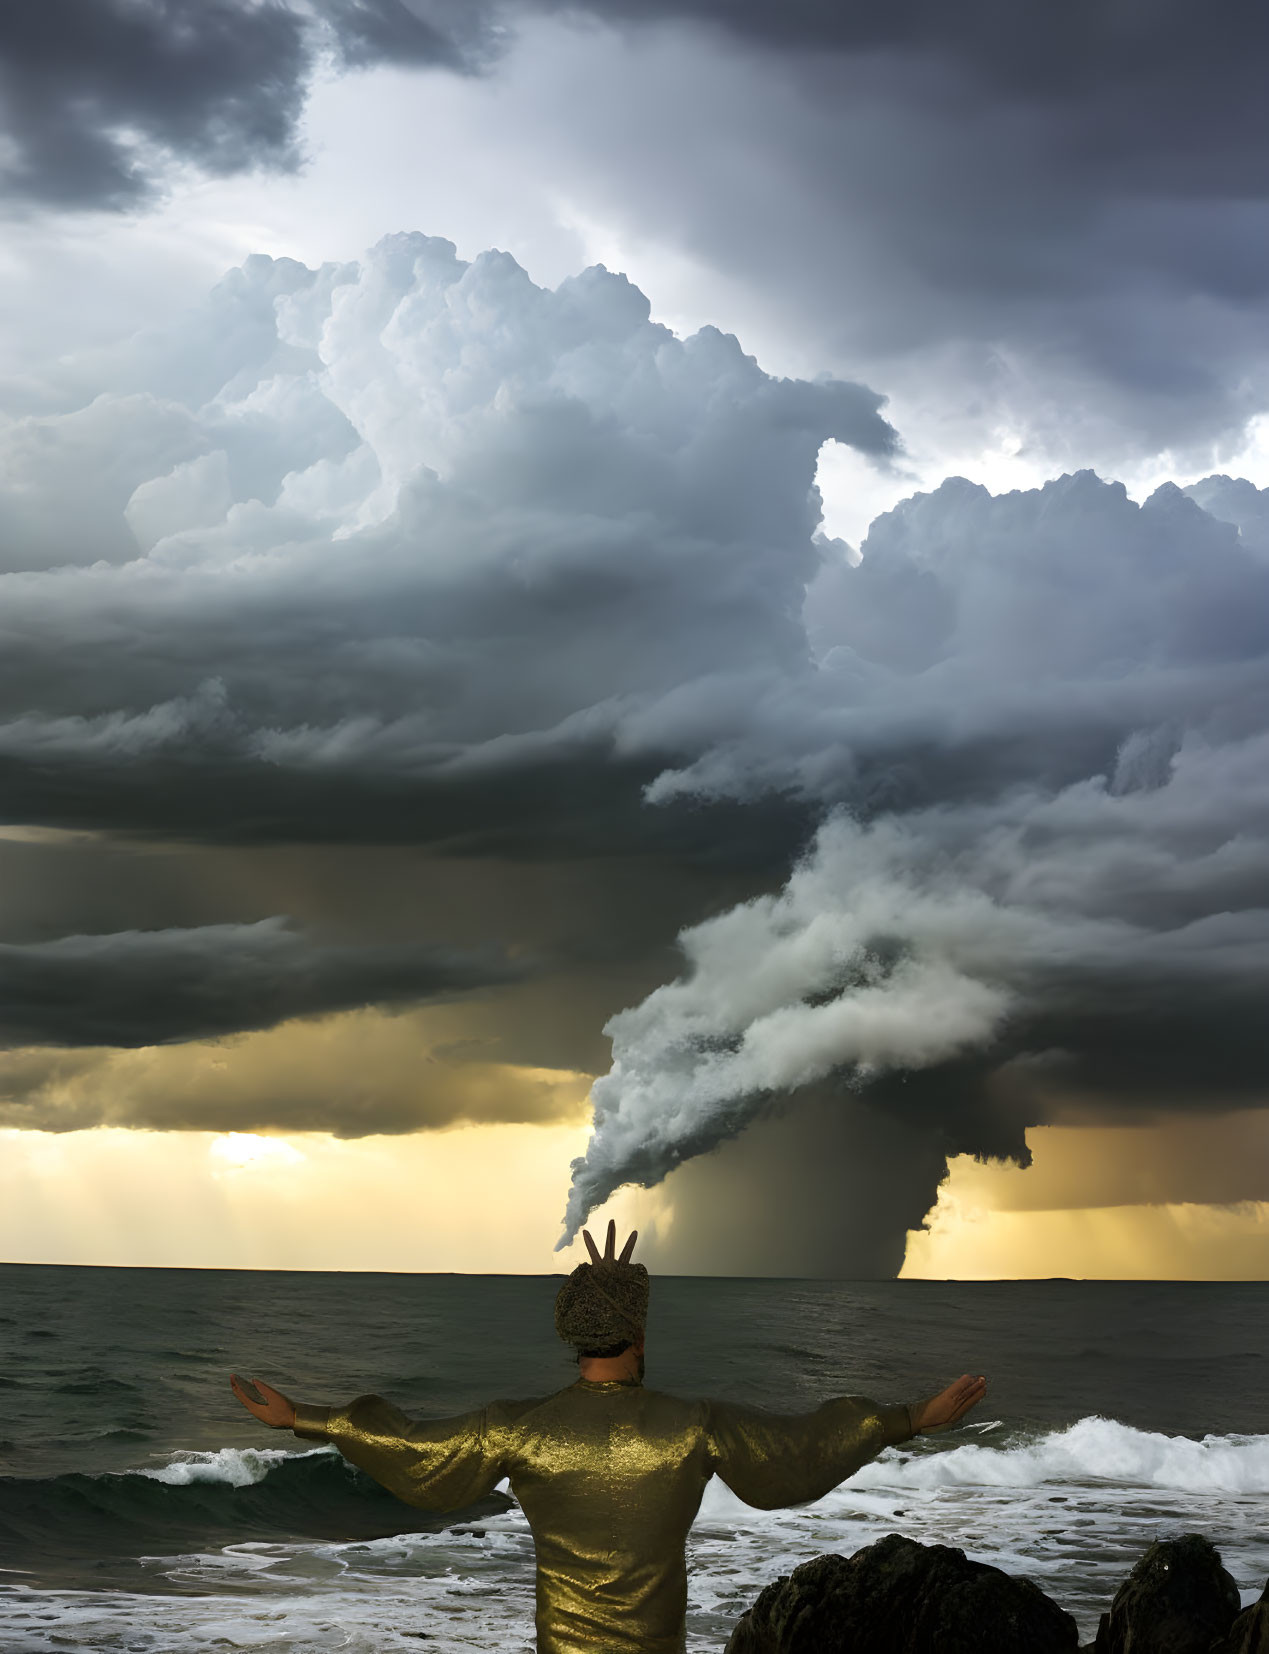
[610, 1245]
[603, 1302]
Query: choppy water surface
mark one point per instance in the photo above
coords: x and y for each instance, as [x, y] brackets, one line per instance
[142, 1510]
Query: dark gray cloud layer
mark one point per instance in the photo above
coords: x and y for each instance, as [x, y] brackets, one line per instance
[152, 987]
[1064, 207]
[1055, 215]
[1153, 95]
[97, 95]
[1046, 50]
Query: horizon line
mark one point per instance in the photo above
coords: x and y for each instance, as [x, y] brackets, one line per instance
[675, 1275]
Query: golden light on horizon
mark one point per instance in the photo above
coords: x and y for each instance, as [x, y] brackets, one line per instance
[1175, 1199]
[478, 1199]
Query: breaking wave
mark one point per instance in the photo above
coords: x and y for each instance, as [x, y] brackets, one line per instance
[197, 1500]
[1093, 1449]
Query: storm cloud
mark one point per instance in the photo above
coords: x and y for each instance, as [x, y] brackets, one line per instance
[1004, 220]
[413, 551]
[1076, 947]
[1041, 227]
[416, 567]
[1041, 726]
[1062, 207]
[99, 97]
[149, 987]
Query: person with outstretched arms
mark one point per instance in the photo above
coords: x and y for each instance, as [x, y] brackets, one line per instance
[610, 1474]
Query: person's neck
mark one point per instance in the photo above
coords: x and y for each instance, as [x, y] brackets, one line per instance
[608, 1369]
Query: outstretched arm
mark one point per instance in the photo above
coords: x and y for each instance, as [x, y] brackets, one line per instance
[438, 1464]
[771, 1461]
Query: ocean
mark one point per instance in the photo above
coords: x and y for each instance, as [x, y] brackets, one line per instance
[141, 1509]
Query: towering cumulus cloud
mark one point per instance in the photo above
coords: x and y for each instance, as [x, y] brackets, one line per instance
[1041, 726]
[410, 529]
[408, 551]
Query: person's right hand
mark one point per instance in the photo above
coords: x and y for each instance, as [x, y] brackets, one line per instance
[949, 1405]
[270, 1406]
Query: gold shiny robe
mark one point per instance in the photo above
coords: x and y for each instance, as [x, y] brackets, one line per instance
[609, 1476]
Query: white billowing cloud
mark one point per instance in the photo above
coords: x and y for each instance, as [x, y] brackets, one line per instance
[781, 992]
[1027, 929]
[403, 512]
[194, 494]
[1032, 298]
[65, 479]
[985, 639]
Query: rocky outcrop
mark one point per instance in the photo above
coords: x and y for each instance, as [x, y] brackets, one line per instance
[898, 1597]
[1177, 1600]
[1249, 1633]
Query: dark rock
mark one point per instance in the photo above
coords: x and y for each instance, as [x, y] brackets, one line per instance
[1177, 1600]
[1249, 1633]
[898, 1597]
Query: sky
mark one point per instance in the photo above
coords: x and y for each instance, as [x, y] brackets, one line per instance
[655, 610]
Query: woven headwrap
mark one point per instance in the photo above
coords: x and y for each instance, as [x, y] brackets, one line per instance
[603, 1302]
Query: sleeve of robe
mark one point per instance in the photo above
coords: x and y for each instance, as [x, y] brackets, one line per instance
[770, 1460]
[438, 1464]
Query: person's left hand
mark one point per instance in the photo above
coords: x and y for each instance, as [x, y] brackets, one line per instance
[270, 1406]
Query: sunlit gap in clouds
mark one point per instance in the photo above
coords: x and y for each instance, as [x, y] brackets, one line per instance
[247, 1151]
[468, 1199]
[1175, 1198]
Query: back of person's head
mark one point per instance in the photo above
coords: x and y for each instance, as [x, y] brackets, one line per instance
[602, 1308]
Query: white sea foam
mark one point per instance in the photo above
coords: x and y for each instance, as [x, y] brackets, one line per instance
[234, 1466]
[1072, 1509]
[1093, 1449]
